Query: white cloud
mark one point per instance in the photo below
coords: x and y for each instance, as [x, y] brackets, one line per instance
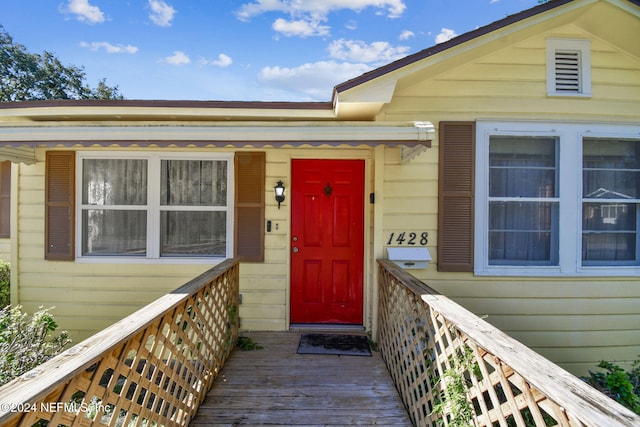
[161, 13]
[394, 8]
[406, 35]
[445, 34]
[85, 12]
[359, 51]
[300, 28]
[222, 61]
[306, 15]
[110, 48]
[178, 58]
[313, 79]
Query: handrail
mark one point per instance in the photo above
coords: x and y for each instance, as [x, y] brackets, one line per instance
[154, 367]
[428, 340]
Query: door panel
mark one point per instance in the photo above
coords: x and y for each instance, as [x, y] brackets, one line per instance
[327, 231]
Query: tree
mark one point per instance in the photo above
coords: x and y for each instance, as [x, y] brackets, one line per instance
[30, 76]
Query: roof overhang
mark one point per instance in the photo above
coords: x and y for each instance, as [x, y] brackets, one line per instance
[364, 102]
[66, 110]
[18, 143]
[25, 126]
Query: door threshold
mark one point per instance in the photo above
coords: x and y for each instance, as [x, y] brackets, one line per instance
[325, 327]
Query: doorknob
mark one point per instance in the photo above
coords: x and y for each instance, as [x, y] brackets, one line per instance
[295, 249]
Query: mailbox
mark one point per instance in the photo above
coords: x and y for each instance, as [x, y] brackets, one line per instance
[409, 258]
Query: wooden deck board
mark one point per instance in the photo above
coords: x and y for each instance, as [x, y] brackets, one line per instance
[277, 386]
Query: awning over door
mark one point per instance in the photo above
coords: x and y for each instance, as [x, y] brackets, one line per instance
[22, 153]
[315, 134]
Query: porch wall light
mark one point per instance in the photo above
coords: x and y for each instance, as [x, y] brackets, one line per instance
[279, 190]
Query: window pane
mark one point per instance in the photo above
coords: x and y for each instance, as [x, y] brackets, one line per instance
[114, 232]
[193, 183]
[611, 169]
[522, 167]
[523, 233]
[193, 233]
[114, 182]
[609, 232]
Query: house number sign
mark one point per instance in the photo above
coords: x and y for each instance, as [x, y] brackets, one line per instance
[408, 238]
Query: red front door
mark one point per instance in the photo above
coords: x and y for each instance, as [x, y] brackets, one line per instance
[327, 241]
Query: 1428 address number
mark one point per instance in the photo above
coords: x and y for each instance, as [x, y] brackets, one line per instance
[408, 238]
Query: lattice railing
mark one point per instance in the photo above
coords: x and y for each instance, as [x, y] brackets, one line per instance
[152, 368]
[453, 368]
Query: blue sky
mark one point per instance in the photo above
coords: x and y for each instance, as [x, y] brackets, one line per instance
[252, 50]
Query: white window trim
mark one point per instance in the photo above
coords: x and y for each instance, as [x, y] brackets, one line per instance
[583, 46]
[569, 189]
[153, 201]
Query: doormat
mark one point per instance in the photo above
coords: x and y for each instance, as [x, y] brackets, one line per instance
[342, 345]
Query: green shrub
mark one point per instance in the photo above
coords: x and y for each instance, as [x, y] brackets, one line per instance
[247, 344]
[27, 341]
[455, 405]
[5, 286]
[618, 384]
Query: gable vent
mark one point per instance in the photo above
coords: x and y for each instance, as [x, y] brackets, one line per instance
[567, 71]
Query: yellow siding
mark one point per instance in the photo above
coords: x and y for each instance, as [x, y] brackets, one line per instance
[5, 250]
[575, 322]
[410, 193]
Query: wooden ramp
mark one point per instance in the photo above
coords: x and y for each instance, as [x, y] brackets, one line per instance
[277, 386]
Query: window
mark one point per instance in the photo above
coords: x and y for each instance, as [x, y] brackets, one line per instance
[561, 199]
[155, 206]
[568, 67]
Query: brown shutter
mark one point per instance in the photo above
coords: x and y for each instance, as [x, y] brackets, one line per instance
[456, 196]
[59, 205]
[5, 199]
[249, 209]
